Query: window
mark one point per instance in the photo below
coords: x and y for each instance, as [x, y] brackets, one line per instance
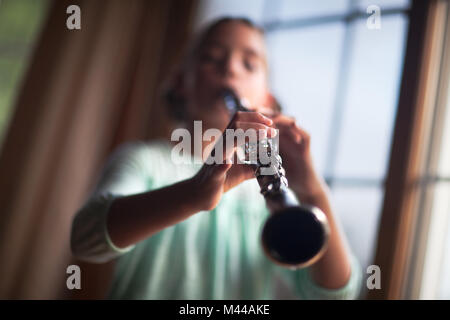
[341, 81]
[20, 21]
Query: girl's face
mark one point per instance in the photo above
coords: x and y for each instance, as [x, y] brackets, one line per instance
[233, 56]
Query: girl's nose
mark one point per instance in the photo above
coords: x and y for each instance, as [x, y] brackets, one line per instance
[231, 66]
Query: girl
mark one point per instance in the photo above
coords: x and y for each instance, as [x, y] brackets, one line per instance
[191, 231]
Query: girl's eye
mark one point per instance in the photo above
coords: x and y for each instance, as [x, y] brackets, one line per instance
[250, 66]
[211, 56]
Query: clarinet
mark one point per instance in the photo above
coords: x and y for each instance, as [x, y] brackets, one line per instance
[294, 235]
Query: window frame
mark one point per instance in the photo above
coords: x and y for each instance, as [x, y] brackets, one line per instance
[408, 157]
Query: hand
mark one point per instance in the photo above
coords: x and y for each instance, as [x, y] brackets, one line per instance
[213, 180]
[295, 150]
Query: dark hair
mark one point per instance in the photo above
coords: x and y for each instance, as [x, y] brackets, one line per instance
[210, 29]
[175, 102]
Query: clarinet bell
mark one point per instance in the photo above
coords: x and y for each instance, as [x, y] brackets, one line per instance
[295, 237]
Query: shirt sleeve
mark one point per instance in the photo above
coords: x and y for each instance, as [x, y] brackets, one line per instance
[122, 175]
[306, 288]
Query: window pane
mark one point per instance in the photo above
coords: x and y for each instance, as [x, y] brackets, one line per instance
[304, 73]
[358, 211]
[371, 99]
[293, 9]
[436, 274]
[444, 205]
[384, 4]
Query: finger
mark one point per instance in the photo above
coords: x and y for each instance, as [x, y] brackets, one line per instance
[300, 134]
[288, 124]
[237, 174]
[221, 153]
[266, 111]
[262, 131]
[290, 130]
[306, 137]
[293, 129]
[220, 170]
[252, 117]
[290, 136]
[282, 119]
